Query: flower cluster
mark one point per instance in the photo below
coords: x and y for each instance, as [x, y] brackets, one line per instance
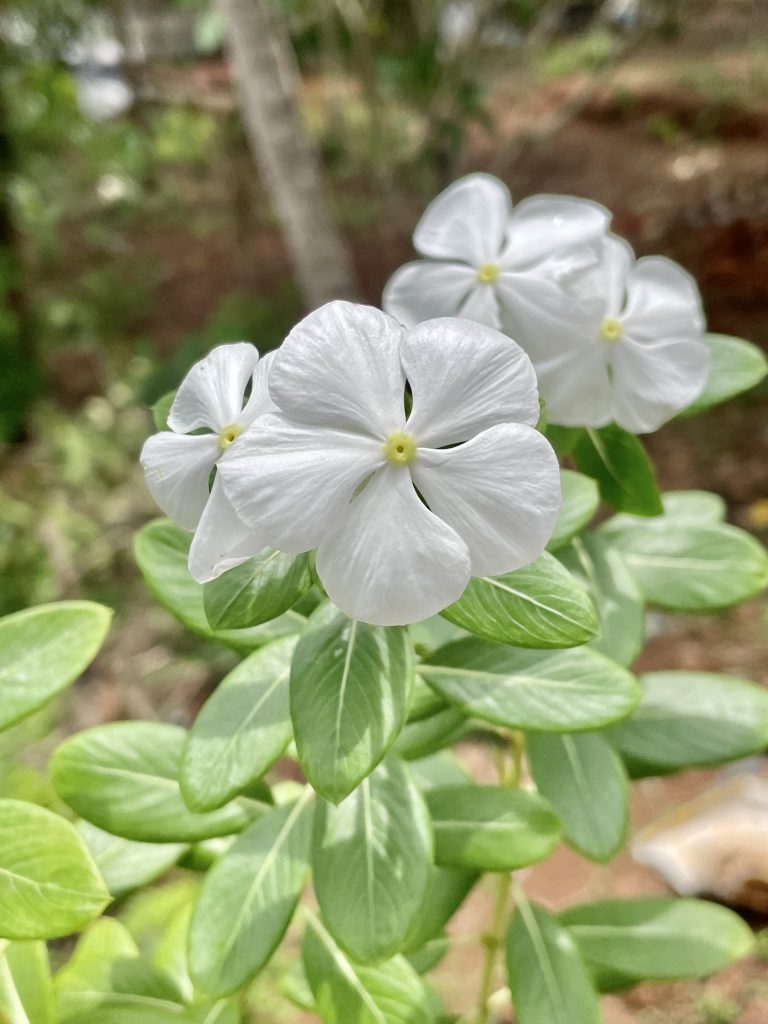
[403, 448]
[612, 339]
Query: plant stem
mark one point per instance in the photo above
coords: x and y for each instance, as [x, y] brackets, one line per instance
[509, 765]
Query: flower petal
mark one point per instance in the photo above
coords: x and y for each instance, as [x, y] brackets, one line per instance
[465, 377]
[391, 561]
[177, 468]
[423, 289]
[663, 301]
[482, 306]
[260, 400]
[607, 281]
[467, 222]
[211, 395]
[652, 382]
[545, 226]
[221, 540]
[500, 492]
[576, 387]
[290, 482]
[340, 368]
[544, 319]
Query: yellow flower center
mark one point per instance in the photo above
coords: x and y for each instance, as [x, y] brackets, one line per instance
[488, 273]
[611, 329]
[400, 449]
[229, 434]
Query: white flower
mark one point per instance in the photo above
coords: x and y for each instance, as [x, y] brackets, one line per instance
[178, 464]
[403, 507]
[502, 266]
[635, 354]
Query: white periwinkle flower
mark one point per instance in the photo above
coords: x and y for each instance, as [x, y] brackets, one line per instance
[635, 352]
[178, 464]
[502, 266]
[403, 507]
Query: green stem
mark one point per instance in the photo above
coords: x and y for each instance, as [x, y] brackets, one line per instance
[509, 765]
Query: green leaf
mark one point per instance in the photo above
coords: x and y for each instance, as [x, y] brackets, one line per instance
[563, 439]
[371, 857]
[491, 828]
[690, 568]
[697, 507]
[424, 701]
[123, 777]
[26, 990]
[125, 865]
[429, 735]
[43, 650]
[161, 410]
[348, 993]
[687, 719]
[584, 780]
[49, 885]
[242, 729]
[440, 769]
[161, 551]
[549, 691]
[622, 469]
[248, 898]
[736, 366]
[540, 606]
[620, 605]
[547, 976]
[446, 890]
[256, 591]
[581, 498]
[626, 941]
[350, 688]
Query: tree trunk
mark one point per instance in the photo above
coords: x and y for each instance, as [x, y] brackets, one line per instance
[265, 66]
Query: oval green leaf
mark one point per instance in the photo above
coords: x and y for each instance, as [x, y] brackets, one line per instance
[584, 780]
[547, 691]
[248, 899]
[580, 500]
[431, 734]
[350, 688]
[548, 979]
[622, 469]
[242, 729]
[736, 366]
[491, 828]
[540, 606]
[125, 865]
[43, 650]
[626, 941]
[161, 551]
[49, 885]
[690, 568]
[123, 777]
[256, 591]
[349, 993]
[372, 857]
[689, 719]
[26, 989]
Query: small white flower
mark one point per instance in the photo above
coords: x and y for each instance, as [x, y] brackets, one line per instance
[635, 355]
[502, 266]
[178, 464]
[403, 507]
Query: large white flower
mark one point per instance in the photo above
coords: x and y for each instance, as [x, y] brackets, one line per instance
[502, 266]
[403, 507]
[177, 464]
[636, 355]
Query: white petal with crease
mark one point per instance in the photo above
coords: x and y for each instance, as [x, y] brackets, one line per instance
[221, 540]
[500, 492]
[260, 400]
[423, 289]
[340, 367]
[663, 301]
[481, 305]
[546, 225]
[290, 482]
[211, 395]
[391, 561]
[577, 388]
[466, 222]
[465, 377]
[176, 469]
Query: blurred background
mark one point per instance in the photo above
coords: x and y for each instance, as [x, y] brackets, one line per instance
[178, 173]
